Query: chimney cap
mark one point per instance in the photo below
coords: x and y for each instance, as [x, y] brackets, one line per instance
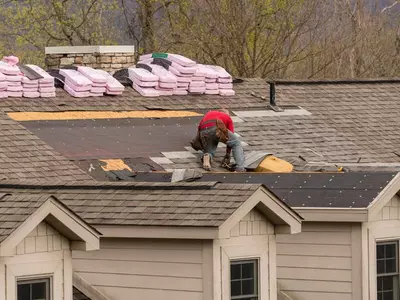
[90, 49]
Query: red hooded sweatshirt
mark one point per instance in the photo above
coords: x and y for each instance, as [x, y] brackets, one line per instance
[214, 115]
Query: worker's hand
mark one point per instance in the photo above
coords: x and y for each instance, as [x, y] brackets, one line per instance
[226, 161]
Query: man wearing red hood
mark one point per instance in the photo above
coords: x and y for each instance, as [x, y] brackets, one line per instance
[215, 127]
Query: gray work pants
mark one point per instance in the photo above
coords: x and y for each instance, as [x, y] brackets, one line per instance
[209, 135]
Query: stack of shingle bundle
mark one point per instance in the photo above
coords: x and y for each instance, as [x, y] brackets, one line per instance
[3, 86]
[14, 85]
[144, 82]
[46, 83]
[190, 77]
[113, 86]
[30, 88]
[167, 82]
[8, 67]
[181, 67]
[76, 84]
[99, 81]
[224, 80]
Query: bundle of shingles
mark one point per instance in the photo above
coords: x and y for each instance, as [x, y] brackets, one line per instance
[89, 82]
[8, 67]
[44, 86]
[28, 81]
[178, 75]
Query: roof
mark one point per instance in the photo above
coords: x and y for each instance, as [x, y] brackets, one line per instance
[23, 155]
[22, 212]
[201, 204]
[15, 209]
[325, 125]
[322, 190]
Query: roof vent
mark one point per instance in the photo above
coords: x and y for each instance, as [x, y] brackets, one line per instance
[272, 100]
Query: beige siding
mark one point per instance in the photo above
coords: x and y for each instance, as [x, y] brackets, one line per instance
[391, 211]
[316, 263]
[254, 223]
[252, 237]
[144, 269]
[43, 249]
[42, 239]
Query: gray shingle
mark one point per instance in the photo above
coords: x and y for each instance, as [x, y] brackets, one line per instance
[153, 207]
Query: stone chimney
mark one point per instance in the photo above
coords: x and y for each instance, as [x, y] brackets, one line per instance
[108, 58]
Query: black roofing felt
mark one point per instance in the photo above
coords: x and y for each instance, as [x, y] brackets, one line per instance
[340, 190]
[115, 138]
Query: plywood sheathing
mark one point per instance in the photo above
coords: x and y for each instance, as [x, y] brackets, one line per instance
[85, 115]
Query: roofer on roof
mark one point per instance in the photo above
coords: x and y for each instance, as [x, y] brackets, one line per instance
[217, 126]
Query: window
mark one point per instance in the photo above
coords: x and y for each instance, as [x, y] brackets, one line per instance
[33, 289]
[387, 271]
[244, 280]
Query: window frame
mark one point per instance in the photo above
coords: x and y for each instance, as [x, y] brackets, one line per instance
[32, 280]
[392, 274]
[256, 277]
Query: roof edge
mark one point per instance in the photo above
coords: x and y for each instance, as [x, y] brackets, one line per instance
[333, 81]
[285, 219]
[52, 208]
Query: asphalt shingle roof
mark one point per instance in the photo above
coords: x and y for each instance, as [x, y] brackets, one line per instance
[355, 125]
[15, 209]
[24, 156]
[163, 204]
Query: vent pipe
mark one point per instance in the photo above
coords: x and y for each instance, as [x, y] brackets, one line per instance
[272, 99]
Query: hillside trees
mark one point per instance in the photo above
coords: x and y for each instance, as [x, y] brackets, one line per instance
[274, 38]
[27, 26]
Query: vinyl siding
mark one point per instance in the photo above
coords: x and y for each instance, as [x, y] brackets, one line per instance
[316, 263]
[43, 238]
[129, 269]
[391, 211]
[252, 237]
[43, 248]
[254, 223]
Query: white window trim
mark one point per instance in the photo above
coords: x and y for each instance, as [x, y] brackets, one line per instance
[391, 242]
[256, 278]
[262, 248]
[381, 231]
[31, 280]
[56, 265]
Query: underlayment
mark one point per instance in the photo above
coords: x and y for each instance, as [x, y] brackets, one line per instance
[117, 138]
[355, 190]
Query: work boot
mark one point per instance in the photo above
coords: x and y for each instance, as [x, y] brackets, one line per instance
[207, 162]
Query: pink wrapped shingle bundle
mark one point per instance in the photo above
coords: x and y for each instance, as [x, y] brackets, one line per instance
[224, 80]
[113, 86]
[180, 92]
[7, 69]
[3, 86]
[144, 82]
[76, 84]
[143, 77]
[14, 85]
[99, 81]
[223, 75]
[46, 86]
[167, 81]
[146, 92]
[212, 89]
[165, 91]
[176, 58]
[30, 88]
